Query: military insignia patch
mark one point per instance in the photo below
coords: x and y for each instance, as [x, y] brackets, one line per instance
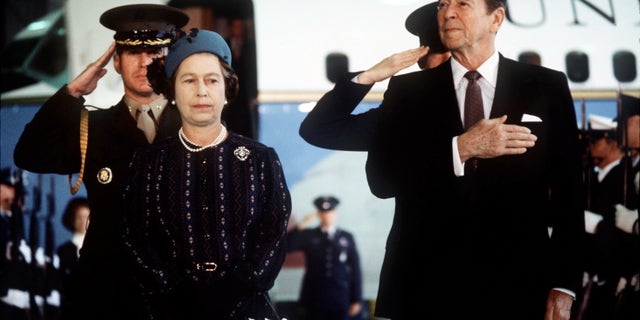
[105, 175]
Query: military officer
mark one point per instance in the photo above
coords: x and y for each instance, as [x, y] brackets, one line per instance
[332, 283]
[14, 285]
[64, 138]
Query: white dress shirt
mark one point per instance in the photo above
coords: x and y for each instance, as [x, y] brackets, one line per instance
[489, 72]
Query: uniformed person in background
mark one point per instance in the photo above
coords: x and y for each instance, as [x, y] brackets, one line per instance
[332, 282]
[14, 287]
[29, 284]
[610, 262]
[58, 140]
[629, 122]
[75, 219]
[628, 119]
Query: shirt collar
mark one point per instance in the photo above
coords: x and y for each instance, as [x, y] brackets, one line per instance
[329, 230]
[78, 239]
[602, 172]
[156, 106]
[488, 70]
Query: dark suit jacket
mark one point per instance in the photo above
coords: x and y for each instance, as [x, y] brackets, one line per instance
[331, 124]
[113, 137]
[492, 225]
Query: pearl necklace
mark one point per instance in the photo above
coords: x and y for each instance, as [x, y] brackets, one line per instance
[185, 140]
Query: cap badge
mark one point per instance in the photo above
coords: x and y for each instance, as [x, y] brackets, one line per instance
[149, 42]
[105, 175]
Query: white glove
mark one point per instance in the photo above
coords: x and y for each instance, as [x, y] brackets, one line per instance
[625, 218]
[16, 298]
[591, 221]
[25, 250]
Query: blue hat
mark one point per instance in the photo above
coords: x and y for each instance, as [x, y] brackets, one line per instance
[326, 203]
[6, 177]
[195, 42]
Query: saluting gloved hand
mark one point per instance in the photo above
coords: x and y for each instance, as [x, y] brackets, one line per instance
[625, 218]
[591, 221]
[622, 283]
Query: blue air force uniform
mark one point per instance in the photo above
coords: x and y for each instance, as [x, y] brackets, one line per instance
[332, 278]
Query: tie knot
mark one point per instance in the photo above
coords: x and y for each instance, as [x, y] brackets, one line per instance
[472, 75]
[144, 108]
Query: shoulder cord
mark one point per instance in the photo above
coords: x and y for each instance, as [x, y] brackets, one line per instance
[84, 139]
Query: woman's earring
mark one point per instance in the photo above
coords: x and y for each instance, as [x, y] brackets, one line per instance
[173, 102]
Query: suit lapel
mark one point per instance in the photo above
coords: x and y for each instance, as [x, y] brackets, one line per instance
[512, 97]
[444, 90]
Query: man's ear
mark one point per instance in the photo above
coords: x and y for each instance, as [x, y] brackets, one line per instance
[116, 63]
[498, 17]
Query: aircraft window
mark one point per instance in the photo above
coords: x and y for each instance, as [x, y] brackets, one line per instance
[530, 57]
[337, 64]
[577, 66]
[624, 66]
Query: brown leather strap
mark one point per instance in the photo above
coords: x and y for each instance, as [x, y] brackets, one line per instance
[84, 139]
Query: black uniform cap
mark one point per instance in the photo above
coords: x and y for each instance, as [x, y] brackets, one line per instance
[326, 203]
[423, 22]
[144, 25]
[596, 135]
[6, 178]
[629, 106]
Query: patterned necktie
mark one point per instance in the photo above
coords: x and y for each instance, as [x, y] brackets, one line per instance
[146, 123]
[473, 110]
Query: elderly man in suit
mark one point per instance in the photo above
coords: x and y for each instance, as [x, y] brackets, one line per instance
[500, 198]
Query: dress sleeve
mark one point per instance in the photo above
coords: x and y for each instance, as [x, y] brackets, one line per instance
[269, 249]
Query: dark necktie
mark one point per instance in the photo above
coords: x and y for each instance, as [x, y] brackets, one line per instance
[473, 110]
